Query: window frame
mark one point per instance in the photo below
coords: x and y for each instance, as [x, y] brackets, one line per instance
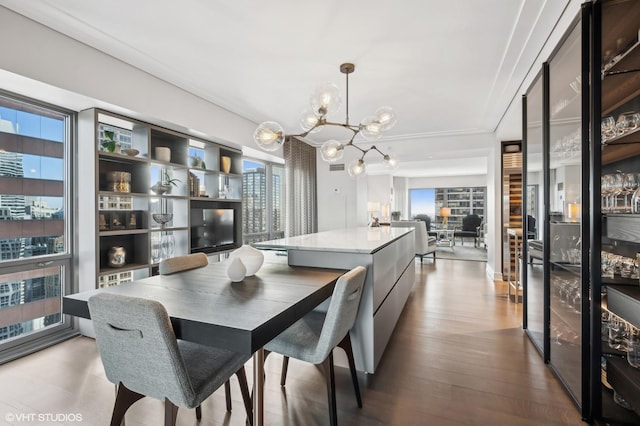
[39, 339]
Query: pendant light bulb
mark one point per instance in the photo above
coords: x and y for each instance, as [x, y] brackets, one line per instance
[357, 168]
[309, 121]
[371, 128]
[390, 162]
[332, 151]
[325, 100]
[269, 136]
[386, 117]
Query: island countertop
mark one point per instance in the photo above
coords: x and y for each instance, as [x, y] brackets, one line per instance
[353, 240]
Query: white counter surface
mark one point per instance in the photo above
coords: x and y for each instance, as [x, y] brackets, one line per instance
[352, 240]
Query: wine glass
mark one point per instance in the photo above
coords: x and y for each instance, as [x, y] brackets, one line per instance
[629, 186]
[608, 128]
[617, 190]
[627, 121]
[607, 191]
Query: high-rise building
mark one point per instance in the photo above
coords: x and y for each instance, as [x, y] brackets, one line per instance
[276, 200]
[254, 200]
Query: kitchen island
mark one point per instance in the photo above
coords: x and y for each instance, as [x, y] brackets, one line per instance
[387, 253]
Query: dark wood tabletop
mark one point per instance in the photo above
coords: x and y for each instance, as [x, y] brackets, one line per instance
[206, 307]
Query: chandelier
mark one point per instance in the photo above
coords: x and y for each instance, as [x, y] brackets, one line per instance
[324, 101]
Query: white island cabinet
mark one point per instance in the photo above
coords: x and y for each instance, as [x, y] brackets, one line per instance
[387, 253]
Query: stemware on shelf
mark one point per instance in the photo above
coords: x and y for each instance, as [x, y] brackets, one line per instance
[165, 248]
[629, 186]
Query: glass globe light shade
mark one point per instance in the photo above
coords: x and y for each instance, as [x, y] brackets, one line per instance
[357, 168]
[308, 120]
[269, 136]
[325, 100]
[390, 162]
[332, 151]
[386, 117]
[370, 128]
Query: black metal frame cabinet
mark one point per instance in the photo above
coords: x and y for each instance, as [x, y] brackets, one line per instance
[615, 223]
[591, 210]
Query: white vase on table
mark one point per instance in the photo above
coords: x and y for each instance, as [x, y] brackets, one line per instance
[251, 257]
[236, 270]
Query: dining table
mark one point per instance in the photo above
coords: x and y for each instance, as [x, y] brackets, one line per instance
[206, 307]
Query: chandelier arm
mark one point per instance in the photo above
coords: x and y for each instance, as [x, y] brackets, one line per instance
[376, 149]
[354, 129]
[363, 151]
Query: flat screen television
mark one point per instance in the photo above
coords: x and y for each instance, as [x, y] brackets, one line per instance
[211, 229]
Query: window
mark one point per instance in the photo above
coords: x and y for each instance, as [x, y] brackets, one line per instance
[461, 201]
[422, 201]
[35, 249]
[262, 201]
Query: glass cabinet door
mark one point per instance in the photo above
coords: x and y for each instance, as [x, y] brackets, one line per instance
[533, 265]
[564, 216]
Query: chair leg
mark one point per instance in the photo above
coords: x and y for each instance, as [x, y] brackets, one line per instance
[125, 398]
[331, 388]
[199, 412]
[170, 413]
[227, 394]
[244, 390]
[345, 344]
[283, 373]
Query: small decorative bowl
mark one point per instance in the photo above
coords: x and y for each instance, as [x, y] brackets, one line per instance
[162, 218]
[131, 152]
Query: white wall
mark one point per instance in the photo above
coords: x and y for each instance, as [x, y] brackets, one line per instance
[338, 199]
[447, 181]
[46, 56]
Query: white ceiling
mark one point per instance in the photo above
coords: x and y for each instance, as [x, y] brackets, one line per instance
[448, 68]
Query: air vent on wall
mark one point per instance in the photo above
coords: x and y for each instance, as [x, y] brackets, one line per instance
[336, 167]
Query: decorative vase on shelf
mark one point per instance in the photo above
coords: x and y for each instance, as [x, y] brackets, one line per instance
[160, 188]
[163, 153]
[251, 257]
[116, 257]
[225, 164]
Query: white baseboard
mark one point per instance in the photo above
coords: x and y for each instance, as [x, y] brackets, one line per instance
[493, 275]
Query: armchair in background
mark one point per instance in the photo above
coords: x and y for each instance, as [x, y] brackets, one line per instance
[470, 228]
[425, 244]
[427, 221]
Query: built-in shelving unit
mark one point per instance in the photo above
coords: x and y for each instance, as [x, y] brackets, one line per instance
[511, 203]
[159, 193]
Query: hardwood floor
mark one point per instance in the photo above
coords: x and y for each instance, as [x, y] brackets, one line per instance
[458, 356]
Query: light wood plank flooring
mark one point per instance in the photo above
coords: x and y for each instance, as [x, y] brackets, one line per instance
[458, 356]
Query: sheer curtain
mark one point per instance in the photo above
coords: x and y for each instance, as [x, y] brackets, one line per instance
[300, 188]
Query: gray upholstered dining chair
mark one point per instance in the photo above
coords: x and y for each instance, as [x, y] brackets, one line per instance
[313, 338]
[182, 263]
[177, 264]
[141, 355]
